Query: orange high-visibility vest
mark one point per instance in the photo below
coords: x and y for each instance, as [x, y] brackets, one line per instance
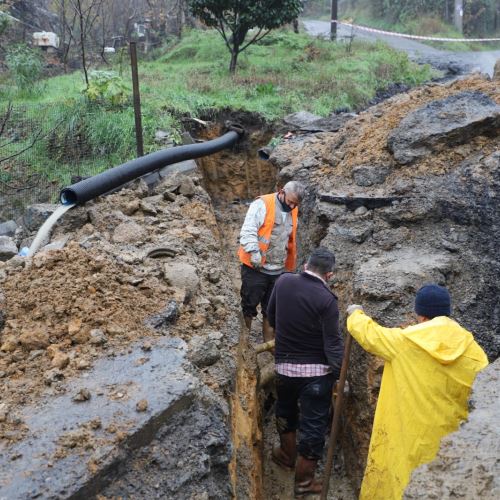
[264, 235]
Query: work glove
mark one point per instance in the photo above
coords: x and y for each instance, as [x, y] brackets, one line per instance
[352, 308]
[256, 259]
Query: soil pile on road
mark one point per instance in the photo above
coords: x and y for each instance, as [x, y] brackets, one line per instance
[363, 141]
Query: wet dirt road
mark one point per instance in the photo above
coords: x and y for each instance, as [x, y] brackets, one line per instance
[467, 62]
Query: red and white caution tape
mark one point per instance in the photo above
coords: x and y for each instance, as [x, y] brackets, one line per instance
[416, 37]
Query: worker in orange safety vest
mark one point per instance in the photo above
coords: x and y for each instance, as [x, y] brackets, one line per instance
[268, 248]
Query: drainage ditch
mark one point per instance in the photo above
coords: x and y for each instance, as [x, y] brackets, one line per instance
[233, 178]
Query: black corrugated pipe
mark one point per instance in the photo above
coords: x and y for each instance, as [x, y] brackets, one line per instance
[115, 177]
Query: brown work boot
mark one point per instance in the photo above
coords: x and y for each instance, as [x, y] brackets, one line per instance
[305, 483]
[285, 454]
[248, 321]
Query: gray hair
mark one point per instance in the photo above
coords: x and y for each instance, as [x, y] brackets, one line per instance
[296, 188]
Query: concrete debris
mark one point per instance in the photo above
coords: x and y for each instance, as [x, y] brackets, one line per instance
[444, 123]
[163, 319]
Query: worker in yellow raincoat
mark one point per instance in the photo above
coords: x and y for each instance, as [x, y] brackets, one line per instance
[429, 370]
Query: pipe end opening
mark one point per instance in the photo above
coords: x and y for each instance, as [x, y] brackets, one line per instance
[67, 197]
[264, 153]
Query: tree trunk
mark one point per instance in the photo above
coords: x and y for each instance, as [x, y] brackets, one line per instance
[82, 41]
[234, 59]
[458, 15]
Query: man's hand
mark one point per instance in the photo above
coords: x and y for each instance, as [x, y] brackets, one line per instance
[256, 259]
[352, 308]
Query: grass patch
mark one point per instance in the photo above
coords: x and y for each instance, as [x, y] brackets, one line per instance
[284, 73]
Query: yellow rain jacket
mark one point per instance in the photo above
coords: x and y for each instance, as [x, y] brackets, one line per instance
[429, 370]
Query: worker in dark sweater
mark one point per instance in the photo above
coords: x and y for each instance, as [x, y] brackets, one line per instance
[308, 356]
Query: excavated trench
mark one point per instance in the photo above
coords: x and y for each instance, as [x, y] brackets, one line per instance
[233, 179]
[405, 193]
[135, 378]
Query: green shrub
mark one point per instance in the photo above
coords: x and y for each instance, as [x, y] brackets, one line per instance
[265, 89]
[4, 22]
[107, 87]
[25, 65]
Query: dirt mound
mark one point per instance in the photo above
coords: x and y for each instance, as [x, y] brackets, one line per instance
[144, 267]
[363, 141]
[65, 294]
[395, 225]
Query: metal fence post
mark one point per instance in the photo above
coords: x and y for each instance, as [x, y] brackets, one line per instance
[137, 99]
[333, 22]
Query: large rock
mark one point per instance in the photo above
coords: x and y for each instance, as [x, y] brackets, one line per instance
[36, 215]
[75, 450]
[7, 248]
[301, 119]
[8, 228]
[444, 123]
[467, 465]
[182, 275]
[398, 272]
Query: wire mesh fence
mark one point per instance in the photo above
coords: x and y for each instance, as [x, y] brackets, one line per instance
[44, 147]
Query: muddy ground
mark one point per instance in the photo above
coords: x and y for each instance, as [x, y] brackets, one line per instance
[151, 271]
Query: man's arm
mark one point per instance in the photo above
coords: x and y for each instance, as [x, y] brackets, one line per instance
[333, 344]
[383, 342]
[271, 308]
[254, 219]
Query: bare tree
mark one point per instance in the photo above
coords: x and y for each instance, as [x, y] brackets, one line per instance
[87, 13]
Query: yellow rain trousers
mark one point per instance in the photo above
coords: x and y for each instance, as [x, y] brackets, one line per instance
[429, 370]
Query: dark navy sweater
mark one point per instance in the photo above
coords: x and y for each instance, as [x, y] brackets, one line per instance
[305, 315]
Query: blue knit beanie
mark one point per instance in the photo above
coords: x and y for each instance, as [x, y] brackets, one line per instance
[433, 300]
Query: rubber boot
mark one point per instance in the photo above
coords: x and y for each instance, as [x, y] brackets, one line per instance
[305, 483]
[248, 322]
[285, 454]
[267, 330]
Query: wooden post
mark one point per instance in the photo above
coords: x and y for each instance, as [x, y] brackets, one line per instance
[334, 432]
[137, 99]
[333, 25]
